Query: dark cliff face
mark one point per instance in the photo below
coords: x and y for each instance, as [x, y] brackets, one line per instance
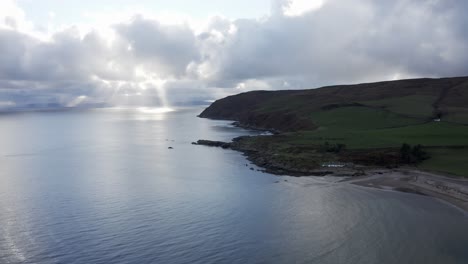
[290, 110]
[248, 110]
[236, 106]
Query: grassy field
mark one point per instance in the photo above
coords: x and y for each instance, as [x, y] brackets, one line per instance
[447, 160]
[419, 106]
[429, 134]
[457, 115]
[360, 118]
[433, 134]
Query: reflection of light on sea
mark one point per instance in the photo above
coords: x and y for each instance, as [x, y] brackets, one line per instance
[152, 113]
[157, 110]
[12, 245]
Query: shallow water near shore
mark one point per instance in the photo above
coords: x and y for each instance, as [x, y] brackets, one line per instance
[102, 186]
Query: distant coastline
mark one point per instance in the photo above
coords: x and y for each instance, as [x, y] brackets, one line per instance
[382, 135]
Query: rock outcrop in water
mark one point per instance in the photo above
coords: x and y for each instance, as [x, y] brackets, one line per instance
[211, 143]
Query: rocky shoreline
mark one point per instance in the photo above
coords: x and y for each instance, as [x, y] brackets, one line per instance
[451, 190]
[269, 164]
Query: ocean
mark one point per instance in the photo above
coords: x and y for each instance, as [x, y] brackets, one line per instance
[127, 186]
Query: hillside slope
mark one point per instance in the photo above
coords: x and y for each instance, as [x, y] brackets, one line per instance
[418, 99]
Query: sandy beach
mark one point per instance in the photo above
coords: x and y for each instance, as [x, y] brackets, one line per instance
[448, 189]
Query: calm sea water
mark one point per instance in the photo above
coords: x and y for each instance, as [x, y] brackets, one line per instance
[102, 186]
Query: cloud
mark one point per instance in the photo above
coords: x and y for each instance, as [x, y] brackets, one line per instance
[300, 7]
[11, 14]
[166, 50]
[350, 41]
[143, 60]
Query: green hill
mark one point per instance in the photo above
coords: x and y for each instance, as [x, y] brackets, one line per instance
[372, 119]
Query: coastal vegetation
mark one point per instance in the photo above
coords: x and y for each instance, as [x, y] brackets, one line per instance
[376, 124]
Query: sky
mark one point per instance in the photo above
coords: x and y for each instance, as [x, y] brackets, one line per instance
[57, 53]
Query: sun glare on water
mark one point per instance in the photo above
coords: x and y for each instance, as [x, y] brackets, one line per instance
[155, 110]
